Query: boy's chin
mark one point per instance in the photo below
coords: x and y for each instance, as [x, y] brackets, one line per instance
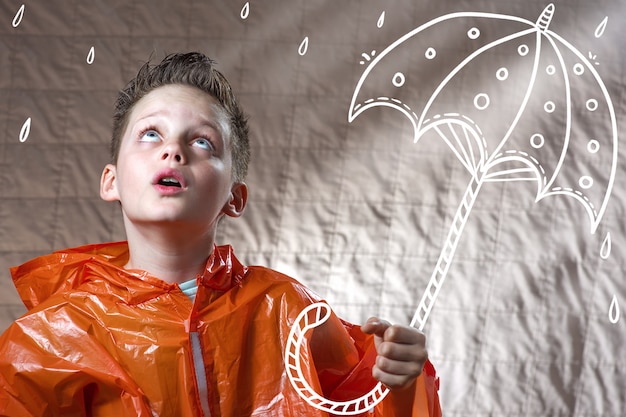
[170, 222]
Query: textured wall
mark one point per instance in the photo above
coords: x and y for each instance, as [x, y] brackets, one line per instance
[528, 320]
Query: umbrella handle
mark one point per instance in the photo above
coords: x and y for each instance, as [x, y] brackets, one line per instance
[447, 253]
[364, 403]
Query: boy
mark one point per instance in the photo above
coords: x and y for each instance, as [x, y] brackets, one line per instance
[167, 323]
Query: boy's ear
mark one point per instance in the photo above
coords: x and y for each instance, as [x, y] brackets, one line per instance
[108, 188]
[237, 201]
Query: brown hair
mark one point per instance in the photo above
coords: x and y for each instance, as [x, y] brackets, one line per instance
[193, 69]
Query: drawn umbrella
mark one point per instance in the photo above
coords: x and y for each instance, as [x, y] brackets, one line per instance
[502, 84]
[524, 79]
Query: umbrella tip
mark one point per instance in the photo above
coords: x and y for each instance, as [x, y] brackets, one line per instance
[546, 16]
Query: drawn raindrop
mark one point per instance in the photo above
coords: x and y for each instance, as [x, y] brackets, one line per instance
[25, 130]
[304, 46]
[614, 310]
[381, 20]
[91, 55]
[605, 249]
[18, 16]
[245, 10]
[601, 27]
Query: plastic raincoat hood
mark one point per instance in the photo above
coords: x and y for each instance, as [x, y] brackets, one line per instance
[100, 340]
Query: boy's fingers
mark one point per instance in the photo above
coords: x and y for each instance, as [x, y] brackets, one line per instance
[393, 333]
[404, 335]
[392, 381]
[399, 367]
[403, 352]
[375, 326]
[397, 364]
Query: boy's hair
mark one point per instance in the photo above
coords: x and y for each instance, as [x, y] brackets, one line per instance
[193, 69]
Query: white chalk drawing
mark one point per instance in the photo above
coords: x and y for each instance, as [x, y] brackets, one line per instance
[245, 11]
[367, 57]
[517, 149]
[313, 316]
[605, 249]
[381, 20]
[18, 16]
[523, 58]
[25, 130]
[614, 310]
[91, 55]
[304, 46]
[601, 27]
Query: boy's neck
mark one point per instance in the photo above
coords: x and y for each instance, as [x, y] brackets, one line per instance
[173, 257]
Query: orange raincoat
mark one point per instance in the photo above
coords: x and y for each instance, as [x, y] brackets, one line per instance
[99, 340]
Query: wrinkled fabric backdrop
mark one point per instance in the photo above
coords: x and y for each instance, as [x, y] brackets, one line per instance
[528, 320]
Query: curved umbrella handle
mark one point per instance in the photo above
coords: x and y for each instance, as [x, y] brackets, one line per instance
[292, 361]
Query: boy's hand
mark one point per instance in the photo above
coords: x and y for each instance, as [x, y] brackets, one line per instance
[401, 352]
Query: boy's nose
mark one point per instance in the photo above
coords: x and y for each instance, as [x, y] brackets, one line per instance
[173, 151]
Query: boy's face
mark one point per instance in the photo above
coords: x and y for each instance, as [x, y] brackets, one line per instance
[174, 164]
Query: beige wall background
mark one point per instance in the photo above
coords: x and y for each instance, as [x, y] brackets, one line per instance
[528, 321]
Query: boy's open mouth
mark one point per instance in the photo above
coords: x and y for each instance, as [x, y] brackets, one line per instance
[169, 178]
[169, 182]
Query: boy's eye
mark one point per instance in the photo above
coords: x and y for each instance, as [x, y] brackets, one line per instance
[202, 143]
[149, 136]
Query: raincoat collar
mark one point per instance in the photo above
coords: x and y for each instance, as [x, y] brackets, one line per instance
[67, 269]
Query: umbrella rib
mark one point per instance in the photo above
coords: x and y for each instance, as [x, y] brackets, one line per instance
[472, 157]
[461, 145]
[496, 176]
[453, 148]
